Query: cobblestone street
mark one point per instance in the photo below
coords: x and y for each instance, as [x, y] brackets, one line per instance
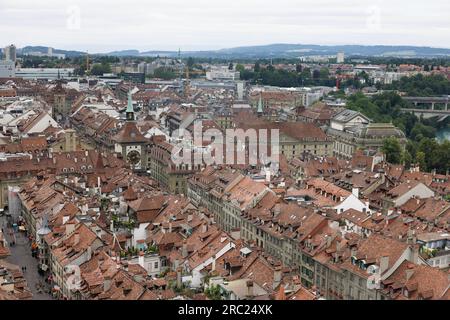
[21, 256]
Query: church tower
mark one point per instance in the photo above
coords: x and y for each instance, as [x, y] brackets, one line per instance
[130, 142]
[260, 106]
[130, 110]
[60, 110]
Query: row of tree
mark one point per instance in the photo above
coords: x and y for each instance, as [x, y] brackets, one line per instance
[421, 86]
[428, 153]
[269, 75]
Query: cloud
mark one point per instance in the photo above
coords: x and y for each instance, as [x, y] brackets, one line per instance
[104, 25]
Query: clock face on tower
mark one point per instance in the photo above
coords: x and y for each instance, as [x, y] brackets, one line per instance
[134, 157]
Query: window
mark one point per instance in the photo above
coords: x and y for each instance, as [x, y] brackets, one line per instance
[361, 282]
[156, 265]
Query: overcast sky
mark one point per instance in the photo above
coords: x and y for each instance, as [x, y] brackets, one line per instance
[106, 25]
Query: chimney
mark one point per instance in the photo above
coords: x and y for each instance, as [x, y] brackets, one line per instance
[170, 227]
[76, 239]
[268, 176]
[276, 276]
[89, 253]
[355, 192]
[141, 259]
[338, 246]
[204, 228]
[250, 292]
[184, 250]
[409, 272]
[213, 264]
[414, 252]
[328, 238]
[106, 284]
[179, 280]
[384, 264]
[276, 210]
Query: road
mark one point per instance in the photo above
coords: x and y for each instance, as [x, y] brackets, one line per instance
[21, 256]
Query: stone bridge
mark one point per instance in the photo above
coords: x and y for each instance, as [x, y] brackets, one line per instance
[434, 107]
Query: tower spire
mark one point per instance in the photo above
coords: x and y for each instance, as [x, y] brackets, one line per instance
[260, 104]
[130, 109]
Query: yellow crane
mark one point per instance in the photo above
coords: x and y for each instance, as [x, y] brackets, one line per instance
[87, 62]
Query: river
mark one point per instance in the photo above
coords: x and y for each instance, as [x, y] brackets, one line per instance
[443, 134]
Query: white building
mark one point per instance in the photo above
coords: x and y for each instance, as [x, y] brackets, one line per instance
[347, 119]
[44, 73]
[10, 53]
[150, 262]
[7, 69]
[340, 57]
[222, 73]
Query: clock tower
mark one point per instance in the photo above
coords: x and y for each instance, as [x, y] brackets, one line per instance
[130, 142]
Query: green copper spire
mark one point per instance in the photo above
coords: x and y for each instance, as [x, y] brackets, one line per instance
[130, 110]
[260, 104]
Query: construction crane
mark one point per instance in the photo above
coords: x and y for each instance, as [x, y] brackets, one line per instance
[187, 86]
[87, 62]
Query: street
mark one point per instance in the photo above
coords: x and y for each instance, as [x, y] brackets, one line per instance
[21, 256]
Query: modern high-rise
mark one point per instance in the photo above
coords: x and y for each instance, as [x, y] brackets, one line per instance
[7, 69]
[340, 57]
[10, 53]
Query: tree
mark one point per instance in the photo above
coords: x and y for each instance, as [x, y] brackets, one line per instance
[257, 67]
[407, 159]
[164, 73]
[99, 69]
[316, 74]
[230, 66]
[213, 292]
[420, 160]
[190, 62]
[393, 150]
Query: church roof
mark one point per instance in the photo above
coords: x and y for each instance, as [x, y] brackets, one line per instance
[129, 133]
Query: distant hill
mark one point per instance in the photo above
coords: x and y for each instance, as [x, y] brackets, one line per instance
[280, 50]
[122, 53]
[42, 49]
[296, 50]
